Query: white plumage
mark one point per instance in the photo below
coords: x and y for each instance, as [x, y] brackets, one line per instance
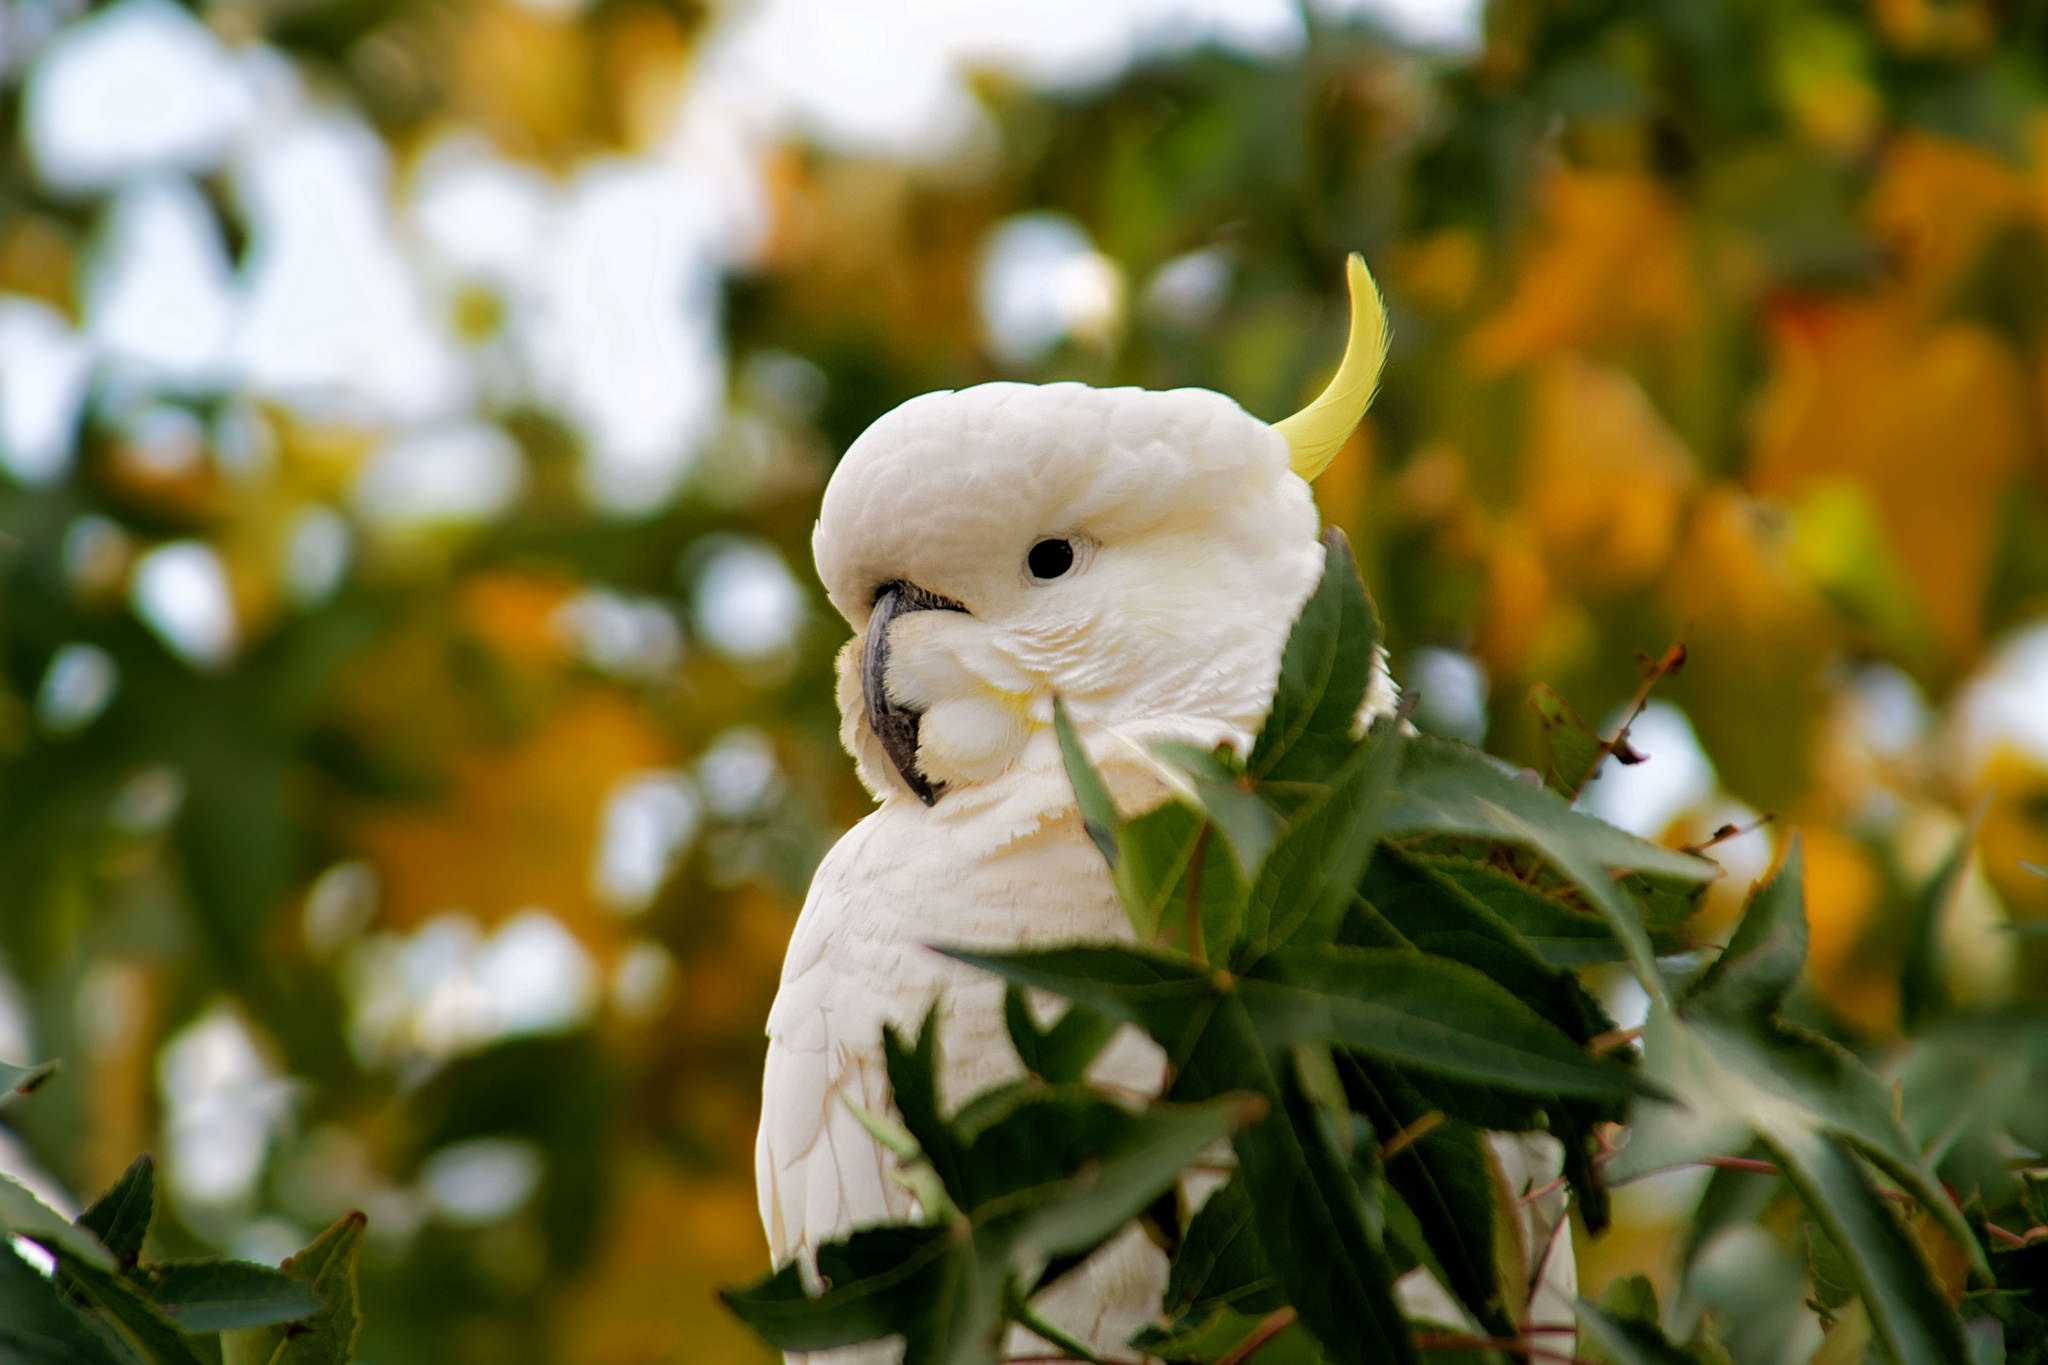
[1194, 546]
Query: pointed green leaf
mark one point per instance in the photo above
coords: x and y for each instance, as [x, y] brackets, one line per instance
[1576, 748]
[1230, 799]
[914, 1089]
[1445, 1177]
[1629, 1340]
[120, 1218]
[1426, 1013]
[1923, 981]
[1158, 853]
[1117, 1180]
[151, 1335]
[1562, 933]
[1313, 1224]
[21, 1212]
[1913, 1320]
[1441, 916]
[1220, 1262]
[220, 1296]
[328, 1337]
[1098, 813]
[37, 1327]
[1764, 957]
[877, 1282]
[1168, 999]
[1063, 1052]
[1446, 788]
[1310, 877]
[1324, 673]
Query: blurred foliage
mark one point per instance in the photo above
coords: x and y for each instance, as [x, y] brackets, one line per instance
[1722, 321]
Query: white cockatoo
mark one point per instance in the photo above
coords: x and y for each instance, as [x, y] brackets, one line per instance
[1141, 555]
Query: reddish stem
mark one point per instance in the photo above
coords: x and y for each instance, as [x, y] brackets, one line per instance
[1276, 1322]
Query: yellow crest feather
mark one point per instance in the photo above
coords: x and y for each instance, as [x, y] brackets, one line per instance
[1318, 431]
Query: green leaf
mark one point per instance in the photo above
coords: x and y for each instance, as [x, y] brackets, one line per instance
[1923, 981]
[1445, 1177]
[1833, 1277]
[877, 1283]
[1222, 789]
[1063, 1052]
[1311, 1217]
[1169, 999]
[1913, 1320]
[221, 1296]
[153, 1337]
[1098, 813]
[1757, 969]
[1630, 1340]
[1220, 1263]
[1576, 748]
[914, 1090]
[1447, 788]
[1423, 1012]
[1309, 879]
[1222, 1334]
[1112, 1182]
[1562, 933]
[120, 1218]
[1159, 852]
[1324, 673]
[21, 1212]
[1052, 1174]
[37, 1327]
[328, 1337]
[1439, 914]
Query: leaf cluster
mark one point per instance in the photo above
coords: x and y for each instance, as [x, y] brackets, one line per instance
[99, 1302]
[1358, 949]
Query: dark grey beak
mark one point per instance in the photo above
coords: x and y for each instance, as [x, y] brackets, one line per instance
[896, 726]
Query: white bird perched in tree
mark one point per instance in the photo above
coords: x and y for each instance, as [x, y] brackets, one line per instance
[1141, 555]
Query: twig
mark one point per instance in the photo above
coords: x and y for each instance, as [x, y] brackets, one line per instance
[2004, 1236]
[1541, 1190]
[1612, 1039]
[1727, 832]
[1407, 1137]
[1278, 1321]
[1654, 672]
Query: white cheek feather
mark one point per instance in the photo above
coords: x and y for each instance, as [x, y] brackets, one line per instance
[971, 739]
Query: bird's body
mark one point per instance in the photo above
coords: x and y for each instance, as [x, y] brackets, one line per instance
[1141, 556]
[1000, 858]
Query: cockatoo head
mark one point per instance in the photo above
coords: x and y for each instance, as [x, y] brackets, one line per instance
[1139, 554]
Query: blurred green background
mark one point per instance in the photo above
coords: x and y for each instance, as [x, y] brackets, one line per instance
[415, 712]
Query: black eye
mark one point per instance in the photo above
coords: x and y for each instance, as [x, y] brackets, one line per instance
[1050, 558]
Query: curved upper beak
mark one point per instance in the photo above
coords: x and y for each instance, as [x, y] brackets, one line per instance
[896, 725]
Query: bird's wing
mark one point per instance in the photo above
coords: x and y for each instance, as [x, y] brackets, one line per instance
[818, 1172]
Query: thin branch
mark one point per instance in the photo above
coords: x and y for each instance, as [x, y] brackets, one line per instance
[1654, 672]
[1414, 1132]
[1276, 1322]
[1727, 832]
[1612, 1039]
